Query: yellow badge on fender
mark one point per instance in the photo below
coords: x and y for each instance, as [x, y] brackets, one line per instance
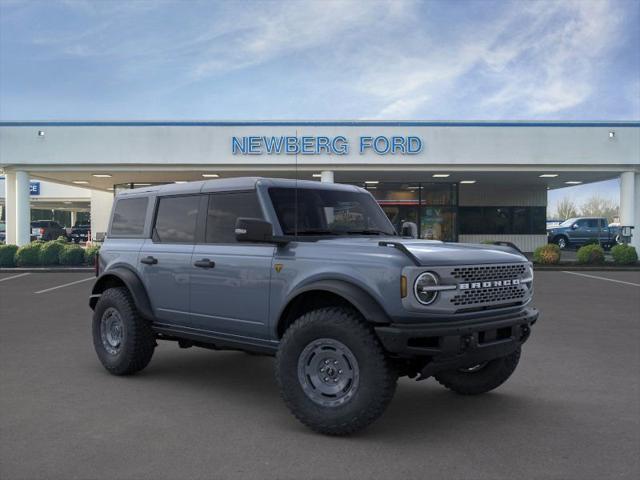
[278, 267]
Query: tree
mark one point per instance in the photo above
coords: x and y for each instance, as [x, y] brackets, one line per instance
[597, 206]
[566, 209]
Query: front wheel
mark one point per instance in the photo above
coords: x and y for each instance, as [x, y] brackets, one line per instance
[332, 372]
[480, 378]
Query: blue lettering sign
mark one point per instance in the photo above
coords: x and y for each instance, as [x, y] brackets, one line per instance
[310, 145]
[34, 188]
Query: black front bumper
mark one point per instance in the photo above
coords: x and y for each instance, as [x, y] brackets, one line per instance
[451, 345]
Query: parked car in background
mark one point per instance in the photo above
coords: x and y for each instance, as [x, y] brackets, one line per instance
[80, 232]
[551, 223]
[579, 231]
[47, 230]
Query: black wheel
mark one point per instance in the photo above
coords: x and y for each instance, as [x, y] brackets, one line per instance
[480, 378]
[122, 339]
[332, 372]
[562, 242]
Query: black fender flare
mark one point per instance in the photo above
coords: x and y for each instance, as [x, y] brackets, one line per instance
[133, 283]
[368, 306]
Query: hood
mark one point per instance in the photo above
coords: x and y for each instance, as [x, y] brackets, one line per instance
[434, 253]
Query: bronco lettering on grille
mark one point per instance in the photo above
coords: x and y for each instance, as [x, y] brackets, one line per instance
[493, 283]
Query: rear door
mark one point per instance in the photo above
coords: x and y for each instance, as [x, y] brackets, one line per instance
[165, 258]
[230, 280]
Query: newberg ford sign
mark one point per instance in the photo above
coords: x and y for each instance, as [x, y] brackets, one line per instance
[311, 145]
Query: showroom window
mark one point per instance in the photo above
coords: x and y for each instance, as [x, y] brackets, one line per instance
[224, 209]
[176, 219]
[502, 220]
[128, 217]
[429, 209]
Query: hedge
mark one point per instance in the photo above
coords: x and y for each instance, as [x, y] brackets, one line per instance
[8, 255]
[50, 253]
[90, 254]
[29, 255]
[590, 254]
[71, 255]
[624, 254]
[547, 254]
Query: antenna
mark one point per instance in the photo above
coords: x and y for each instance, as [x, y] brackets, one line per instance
[295, 195]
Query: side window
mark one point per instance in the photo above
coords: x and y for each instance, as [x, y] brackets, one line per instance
[176, 219]
[128, 217]
[593, 223]
[581, 223]
[224, 210]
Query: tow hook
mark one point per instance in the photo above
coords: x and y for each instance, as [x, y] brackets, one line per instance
[469, 342]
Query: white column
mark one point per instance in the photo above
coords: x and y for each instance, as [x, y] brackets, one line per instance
[326, 176]
[629, 205]
[10, 206]
[101, 203]
[74, 215]
[23, 209]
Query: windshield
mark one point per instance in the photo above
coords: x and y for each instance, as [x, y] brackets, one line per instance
[569, 222]
[329, 212]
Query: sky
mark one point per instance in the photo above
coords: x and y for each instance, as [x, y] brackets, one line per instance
[396, 60]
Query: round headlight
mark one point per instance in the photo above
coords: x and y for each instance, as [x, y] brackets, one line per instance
[422, 288]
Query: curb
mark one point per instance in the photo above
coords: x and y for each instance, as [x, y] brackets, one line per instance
[583, 268]
[47, 270]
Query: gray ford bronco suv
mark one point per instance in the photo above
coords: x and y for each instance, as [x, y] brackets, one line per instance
[314, 274]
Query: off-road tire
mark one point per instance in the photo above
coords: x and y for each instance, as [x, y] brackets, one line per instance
[138, 341]
[489, 377]
[377, 377]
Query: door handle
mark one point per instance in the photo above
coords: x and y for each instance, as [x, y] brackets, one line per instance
[149, 260]
[204, 263]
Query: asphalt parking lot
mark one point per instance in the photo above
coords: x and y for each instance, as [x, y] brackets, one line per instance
[571, 410]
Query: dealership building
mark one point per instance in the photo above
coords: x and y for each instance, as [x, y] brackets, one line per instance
[452, 181]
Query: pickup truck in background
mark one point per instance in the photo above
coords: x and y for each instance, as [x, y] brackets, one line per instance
[80, 232]
[582, 230]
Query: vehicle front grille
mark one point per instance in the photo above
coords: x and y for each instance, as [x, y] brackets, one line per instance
[490, 295]
[488, 272]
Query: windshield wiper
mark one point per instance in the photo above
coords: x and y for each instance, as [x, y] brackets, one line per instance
[317, 231]
[367, 232]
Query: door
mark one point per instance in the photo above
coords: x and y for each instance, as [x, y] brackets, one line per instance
[229, 280]
[165, 259]
[580, 232]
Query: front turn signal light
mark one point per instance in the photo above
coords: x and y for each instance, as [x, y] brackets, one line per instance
[403, 286]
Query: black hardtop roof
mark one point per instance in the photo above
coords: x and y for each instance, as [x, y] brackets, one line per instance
[230, 184]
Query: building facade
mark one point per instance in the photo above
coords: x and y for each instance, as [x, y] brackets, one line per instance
[452, 181]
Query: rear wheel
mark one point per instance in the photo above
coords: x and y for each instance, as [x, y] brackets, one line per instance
[480, 378]
[562, 242]
[122, 339]
[333, 374]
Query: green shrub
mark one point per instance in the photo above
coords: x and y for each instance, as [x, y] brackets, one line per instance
[29, 255]
[62, 239]
[8, 255]
[547, 254]
[50, 253]
[592, 241]
[591, 254]
[488, 242]
[71, 255]
[90, 254]
[623, 254]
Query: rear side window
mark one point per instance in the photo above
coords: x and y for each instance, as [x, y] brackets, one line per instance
[176, 219]
[128, 217]
[224, 210]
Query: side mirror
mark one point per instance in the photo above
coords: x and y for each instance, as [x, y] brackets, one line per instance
[574, 226]
[253, 230]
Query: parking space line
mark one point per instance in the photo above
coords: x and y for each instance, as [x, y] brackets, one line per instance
[65, 285]
[603, 278]
[14, 276]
